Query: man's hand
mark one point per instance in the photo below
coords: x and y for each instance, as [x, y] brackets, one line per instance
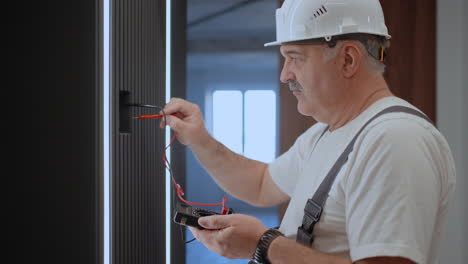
[232, 236]
[189, 124]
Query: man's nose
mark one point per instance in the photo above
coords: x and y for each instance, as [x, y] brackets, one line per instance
[286, 74]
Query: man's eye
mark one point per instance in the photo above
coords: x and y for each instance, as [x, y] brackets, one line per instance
[296, 59]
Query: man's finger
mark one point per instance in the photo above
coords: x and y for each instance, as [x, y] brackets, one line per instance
[215, 221]
[202, 235]
[194, 232]
[175, 123]
[162, 124]
[177, 105]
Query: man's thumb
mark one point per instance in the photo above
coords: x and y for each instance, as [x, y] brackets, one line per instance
[214, 222]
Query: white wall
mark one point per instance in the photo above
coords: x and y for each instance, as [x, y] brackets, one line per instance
[465, 127]
[452, 115]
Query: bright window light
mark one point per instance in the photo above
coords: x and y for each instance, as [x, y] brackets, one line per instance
[227, 119]
[246, 123]
[260, 125]
[106, 132]
[168, 152]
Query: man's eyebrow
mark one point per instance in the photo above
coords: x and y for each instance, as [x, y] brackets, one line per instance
[292, 52]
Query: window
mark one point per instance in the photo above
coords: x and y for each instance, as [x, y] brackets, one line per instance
[260, 125]
[227, 119]
[246, 122]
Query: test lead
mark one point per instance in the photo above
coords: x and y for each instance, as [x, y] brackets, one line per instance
[224, 209]
[150, 116]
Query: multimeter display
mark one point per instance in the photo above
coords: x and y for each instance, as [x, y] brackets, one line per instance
[188, 216]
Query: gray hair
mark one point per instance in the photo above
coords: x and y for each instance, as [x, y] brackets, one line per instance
[373, 65]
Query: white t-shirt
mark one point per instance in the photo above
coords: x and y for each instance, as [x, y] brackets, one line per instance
[389, 199]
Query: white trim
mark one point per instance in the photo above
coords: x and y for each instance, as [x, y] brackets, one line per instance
[106, 132]
[168, 153]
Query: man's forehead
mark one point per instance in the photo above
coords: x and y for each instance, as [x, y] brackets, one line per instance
[297, 49]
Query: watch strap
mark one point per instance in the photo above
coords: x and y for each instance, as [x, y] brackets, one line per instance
[260, 255]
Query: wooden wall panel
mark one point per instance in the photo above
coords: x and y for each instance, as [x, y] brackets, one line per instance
[411, 65]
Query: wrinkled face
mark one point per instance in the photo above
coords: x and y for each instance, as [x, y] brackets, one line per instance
[306, 65]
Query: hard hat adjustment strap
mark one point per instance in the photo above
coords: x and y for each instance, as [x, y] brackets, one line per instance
[377, 50]
[383, 54]
[376, 46]
[332, 42]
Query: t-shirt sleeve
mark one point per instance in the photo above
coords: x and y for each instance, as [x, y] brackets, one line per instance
[285, 170]
[392, 193]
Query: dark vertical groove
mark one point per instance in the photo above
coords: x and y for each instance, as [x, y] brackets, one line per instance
[141, 167]
[152, 197]
[99, 141]
[140, 211]
[144, 185]
[132, 175]
[178, 83]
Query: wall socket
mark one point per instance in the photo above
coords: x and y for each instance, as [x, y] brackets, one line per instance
[125, 111]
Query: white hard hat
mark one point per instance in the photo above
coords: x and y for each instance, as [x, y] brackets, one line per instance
[311, 19]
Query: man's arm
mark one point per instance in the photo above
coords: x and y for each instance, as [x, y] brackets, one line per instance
[246, 179]
[283, 250]
[243, 178]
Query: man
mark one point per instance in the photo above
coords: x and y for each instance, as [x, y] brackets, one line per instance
[388, 201]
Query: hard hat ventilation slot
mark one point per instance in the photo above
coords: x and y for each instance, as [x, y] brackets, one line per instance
[320, 12]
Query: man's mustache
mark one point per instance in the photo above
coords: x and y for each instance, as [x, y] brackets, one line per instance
[295, 86]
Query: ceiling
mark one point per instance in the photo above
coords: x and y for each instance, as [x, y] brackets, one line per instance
[233, 40]
[255, 20]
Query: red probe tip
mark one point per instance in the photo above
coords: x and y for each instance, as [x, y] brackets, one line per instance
[152, 116]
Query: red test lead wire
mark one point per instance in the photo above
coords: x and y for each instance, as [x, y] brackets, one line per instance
[151, 116]
[179, 190]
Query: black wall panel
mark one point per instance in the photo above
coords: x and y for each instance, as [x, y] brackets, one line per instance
[55, 200]
[138, 175]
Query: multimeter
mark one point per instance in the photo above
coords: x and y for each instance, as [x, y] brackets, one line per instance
[188, 216]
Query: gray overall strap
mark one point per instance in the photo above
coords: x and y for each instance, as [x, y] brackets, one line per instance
[314, 207]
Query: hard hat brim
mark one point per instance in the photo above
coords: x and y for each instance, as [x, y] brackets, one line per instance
[278, 43]
[274, 43]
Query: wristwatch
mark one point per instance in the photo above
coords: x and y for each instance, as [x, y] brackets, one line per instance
[260, 255]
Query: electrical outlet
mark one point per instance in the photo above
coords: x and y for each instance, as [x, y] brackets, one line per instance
[125, 118]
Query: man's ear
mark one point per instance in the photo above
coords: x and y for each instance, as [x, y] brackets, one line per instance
[351, 59]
